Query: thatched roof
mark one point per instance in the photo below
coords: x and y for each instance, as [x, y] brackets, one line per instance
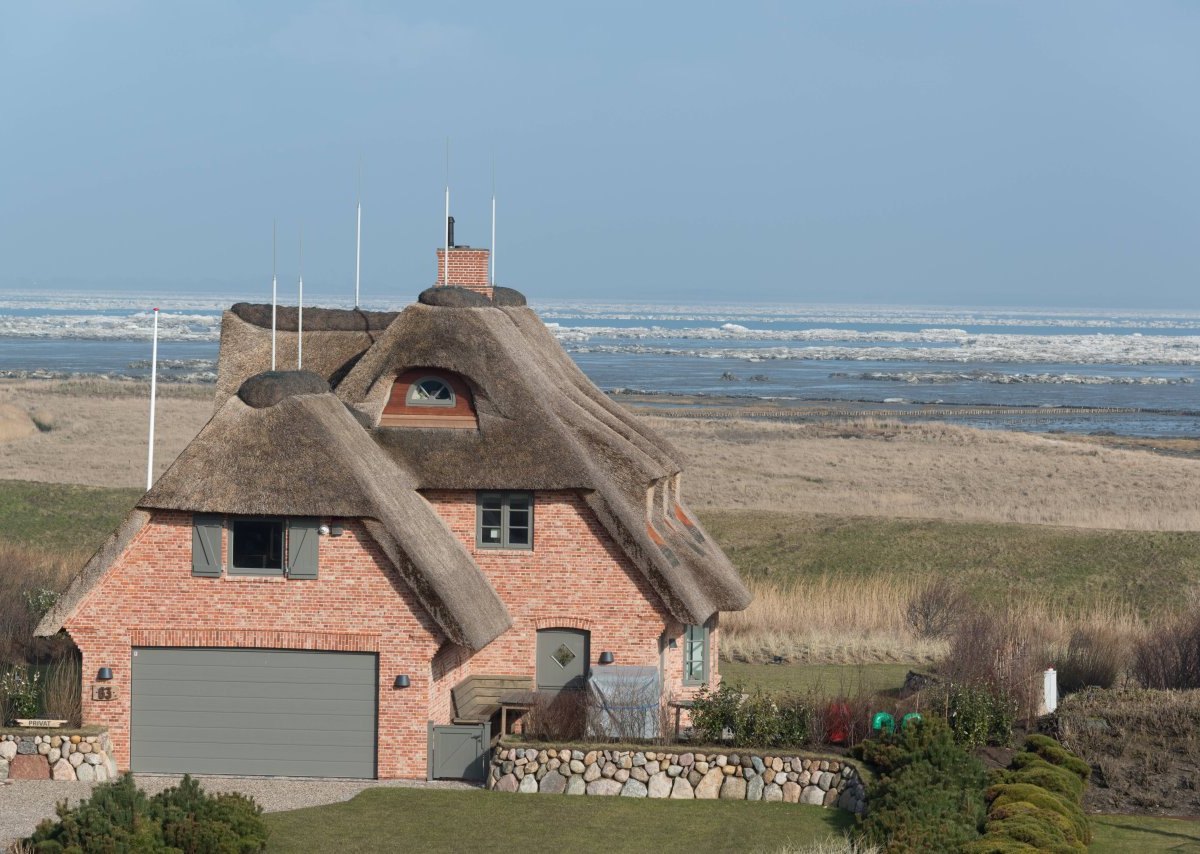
[280, 443]
[306, 455]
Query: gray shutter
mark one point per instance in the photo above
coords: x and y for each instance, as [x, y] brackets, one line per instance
[206, 545]
[302, 548]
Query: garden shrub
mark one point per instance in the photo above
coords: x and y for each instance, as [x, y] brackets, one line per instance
[119, 818]
[1036, 803]
[1095, 657]
[978, 714]
[929, 795]
[758, 719]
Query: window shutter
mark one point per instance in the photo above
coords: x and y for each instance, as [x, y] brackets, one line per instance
[206, 545]
[302, 548]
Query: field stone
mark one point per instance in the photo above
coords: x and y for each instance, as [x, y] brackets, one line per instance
[686, 759]
[85, 747]
[727, 770]
[812, 795]
[76, 759]
[639, 759]
[54, 755]
[791, 793]
[76, 739]
[577, 754]
[605, 787]
[43, 749]
[56, 741]
[608, 770]
[640, 775]
[754, 788]
[62, 770]
[592, 773]
[830, 798]
[8, 749]
[622, 775]
[769, 775]
[576, 786]
[507, 783]
[826, 780]
[634, 789]
[681, 790]
[553, 784]
[591, 757]
[564, 755]
[694, 777]
[803, 778]
[26, 748]
[626, 762]
[674, 770]
[529, 784]
[659, 785]
[732, 789]
[86, 773]
[773, 793]
[776, 764]
[577, 766]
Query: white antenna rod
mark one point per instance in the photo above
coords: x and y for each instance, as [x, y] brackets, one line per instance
[492, 254]
[446, 258]
[300, 310]
[274, 294]
[153, 397]
[358, 238]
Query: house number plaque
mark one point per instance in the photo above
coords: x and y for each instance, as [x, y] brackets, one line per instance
[102, 692]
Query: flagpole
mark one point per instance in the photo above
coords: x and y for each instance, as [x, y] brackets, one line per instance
[492, 254]
[358, 239]
[446, 258]
[153, 401]
[300, 310]
[274, 294]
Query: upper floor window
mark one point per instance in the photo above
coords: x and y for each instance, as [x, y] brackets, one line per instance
[504, 520]
[430, 391]
[254, 545]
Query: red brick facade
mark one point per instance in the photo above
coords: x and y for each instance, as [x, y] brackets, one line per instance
[575, 576]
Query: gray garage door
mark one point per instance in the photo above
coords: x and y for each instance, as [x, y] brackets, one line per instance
[253, 711]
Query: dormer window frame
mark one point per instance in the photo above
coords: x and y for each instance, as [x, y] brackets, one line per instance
[411, 398]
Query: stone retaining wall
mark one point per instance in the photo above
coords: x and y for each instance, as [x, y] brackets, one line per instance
[54, 755]
[734, 775]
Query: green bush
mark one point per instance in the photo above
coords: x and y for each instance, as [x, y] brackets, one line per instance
[1037, 803]
[929, 796]
[120, 818]
[979, 715]
[758, 719]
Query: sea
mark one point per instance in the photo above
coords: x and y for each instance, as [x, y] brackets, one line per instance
[1085, 370]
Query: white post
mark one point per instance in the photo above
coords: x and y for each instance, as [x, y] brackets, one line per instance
[274, 294]
[1049, 691]
[492, 254]
[153, 400]
[300, 310]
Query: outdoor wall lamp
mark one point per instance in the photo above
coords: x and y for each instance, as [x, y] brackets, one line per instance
[606, 658]
[104, 674]
[402, 681]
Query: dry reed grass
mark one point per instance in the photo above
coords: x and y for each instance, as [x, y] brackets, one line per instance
[24, 571]
[932, 471]
[830, 619]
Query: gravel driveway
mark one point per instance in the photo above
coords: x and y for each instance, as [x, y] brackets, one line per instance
[24, 803]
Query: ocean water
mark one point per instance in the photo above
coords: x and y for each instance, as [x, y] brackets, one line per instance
[885, 356]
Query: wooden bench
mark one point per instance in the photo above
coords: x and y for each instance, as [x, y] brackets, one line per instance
[477, 699]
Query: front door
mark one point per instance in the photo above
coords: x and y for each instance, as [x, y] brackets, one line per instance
[562, 659]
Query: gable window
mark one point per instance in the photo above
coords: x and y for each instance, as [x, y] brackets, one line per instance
[695, 655]
[430, 391]
[255, 545]
[504, 520]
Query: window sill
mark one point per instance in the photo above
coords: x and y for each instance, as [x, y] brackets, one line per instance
[254, 579]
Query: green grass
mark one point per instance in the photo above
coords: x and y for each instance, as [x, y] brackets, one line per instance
[1117, 834]
[830, 678]
[61, 517]
[1147, 569]
[392, 819]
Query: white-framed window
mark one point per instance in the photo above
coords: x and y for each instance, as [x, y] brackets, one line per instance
[695, 655]
[430, 391]
[504, 520]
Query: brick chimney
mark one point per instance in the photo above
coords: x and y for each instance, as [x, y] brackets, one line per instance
[468, 267]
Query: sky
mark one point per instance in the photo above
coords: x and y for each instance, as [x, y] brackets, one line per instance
[964, 152]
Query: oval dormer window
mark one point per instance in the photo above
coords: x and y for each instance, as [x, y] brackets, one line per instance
[430, 391]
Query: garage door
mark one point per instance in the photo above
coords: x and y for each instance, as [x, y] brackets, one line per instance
[254, 712]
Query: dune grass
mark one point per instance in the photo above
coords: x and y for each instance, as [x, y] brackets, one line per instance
[60, 517]
[403, 819]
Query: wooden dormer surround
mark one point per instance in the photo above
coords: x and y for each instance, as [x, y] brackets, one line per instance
[400, 412]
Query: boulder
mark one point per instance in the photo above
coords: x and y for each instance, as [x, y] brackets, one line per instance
[634, 789]
[576, 786]
[709, 786]
[592, 773]
[659, 785]
[733, 789]
[86, 773]
[8, 749]
[773, 793]
[76, 759]
[754, 788]
[507, 783]
[791, 793]
[529, 784]
[812, 795]
[553, 784]
[604, 787]
[681, 790]
[577, 766]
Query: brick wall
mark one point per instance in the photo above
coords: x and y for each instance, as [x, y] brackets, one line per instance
[468, 268]
[357, 603]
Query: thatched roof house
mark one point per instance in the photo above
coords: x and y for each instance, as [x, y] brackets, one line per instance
[507, 522]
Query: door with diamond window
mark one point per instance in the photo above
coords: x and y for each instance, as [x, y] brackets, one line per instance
[562, 659]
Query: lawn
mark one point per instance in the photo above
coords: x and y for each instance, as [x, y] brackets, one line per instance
[394, 819]
[1117, 834]
[827, 678]
[1077, 566]
[61, 517]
